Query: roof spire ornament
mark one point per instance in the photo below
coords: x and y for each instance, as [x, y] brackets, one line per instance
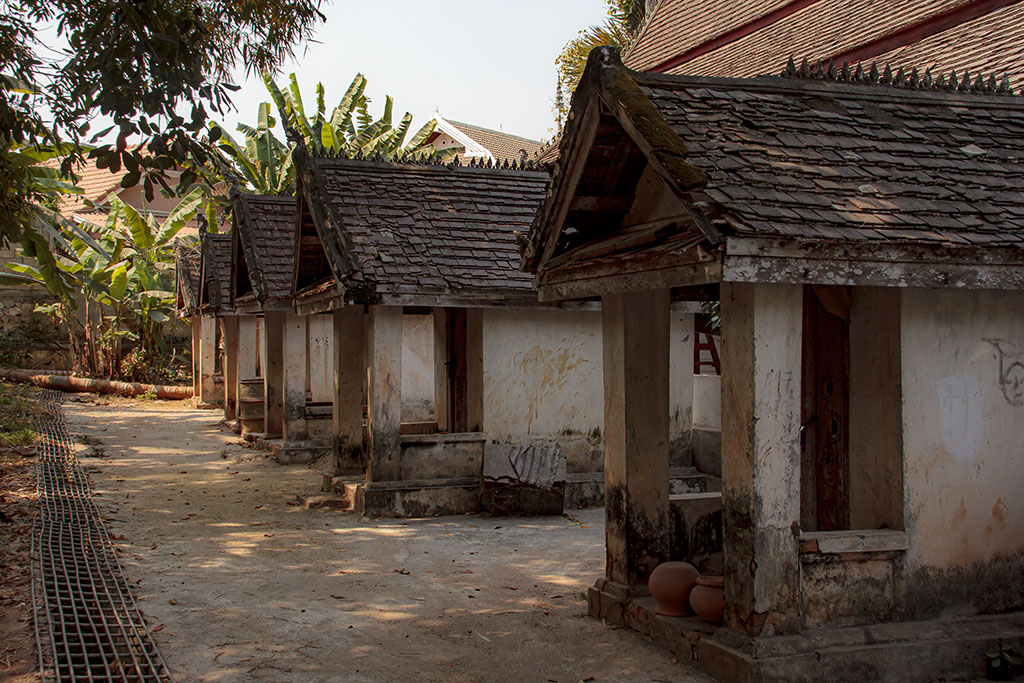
[844, 73]
[790, 69]
[873, 74]
[886, 76]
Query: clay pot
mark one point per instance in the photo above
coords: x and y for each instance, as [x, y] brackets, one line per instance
[708, 599]
[670, 584]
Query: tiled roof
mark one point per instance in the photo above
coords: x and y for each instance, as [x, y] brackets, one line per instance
[215, 291]
[187, 262]
[676, 26]
[501, 145]
[432, 229]
[96, 183]
[993, 43]
[748, 38]
[266, 233]
[852, 161]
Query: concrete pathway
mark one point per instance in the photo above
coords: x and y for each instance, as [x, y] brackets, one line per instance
[240, 583]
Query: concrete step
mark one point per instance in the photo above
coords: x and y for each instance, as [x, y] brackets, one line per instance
[322, 500]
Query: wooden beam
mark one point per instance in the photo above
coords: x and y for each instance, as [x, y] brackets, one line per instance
[637, 277]
[884, 265]
[571, 174]
[626, 238]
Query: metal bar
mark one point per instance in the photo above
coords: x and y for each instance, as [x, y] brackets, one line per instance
[83, 606]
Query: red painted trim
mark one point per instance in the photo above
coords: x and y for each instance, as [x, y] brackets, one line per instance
[928, 27]
[734, 35]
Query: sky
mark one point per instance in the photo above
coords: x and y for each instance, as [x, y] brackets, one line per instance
[489, 63]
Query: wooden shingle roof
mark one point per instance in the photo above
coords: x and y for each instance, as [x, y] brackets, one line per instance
[418, 232]
[215, 286]
[187, 275]
[858, 159]
[265, 232]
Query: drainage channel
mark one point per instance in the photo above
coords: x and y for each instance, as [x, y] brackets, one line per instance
[88, 627]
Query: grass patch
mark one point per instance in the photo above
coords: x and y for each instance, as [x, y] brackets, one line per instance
[18, 411]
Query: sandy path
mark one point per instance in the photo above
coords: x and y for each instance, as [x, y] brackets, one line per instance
[239, 584]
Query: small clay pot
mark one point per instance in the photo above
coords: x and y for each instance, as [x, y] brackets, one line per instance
[670, 584]
[708, 599]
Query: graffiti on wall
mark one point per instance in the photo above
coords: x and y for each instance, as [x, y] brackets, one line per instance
[1011, 369]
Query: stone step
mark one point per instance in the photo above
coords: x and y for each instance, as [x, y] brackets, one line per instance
[325, 500]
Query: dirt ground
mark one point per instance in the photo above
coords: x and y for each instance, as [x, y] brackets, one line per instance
[240, 583]
[18, 506]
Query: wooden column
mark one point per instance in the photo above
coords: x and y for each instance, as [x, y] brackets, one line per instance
[384, 393]
[207, 358]
[681, 390]
[442, 361]
[229, 333]
[474, 370]
[248, 347]
[273, 371]
[761, 367]
[636, 423]
[349, 378]
[296, 338]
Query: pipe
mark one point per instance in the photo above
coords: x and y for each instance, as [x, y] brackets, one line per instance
[98, 386]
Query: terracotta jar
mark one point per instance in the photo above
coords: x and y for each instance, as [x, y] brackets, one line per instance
[670, 584]
[708, 599]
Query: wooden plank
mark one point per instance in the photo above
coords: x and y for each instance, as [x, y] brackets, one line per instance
[566, 184]
[640, 277]
[628, 237]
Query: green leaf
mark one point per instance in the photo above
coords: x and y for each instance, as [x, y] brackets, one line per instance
[119, 282]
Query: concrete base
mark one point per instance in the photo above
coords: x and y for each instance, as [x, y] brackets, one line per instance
[500, 498]
[586, 489]
[902, 651]
[424, 498]
[298, 452]
[206, 405]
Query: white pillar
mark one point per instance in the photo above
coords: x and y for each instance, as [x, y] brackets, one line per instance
[321, 358]
[761, 368]
[681, 390]
[248, 347]
[207, 358]
[229, 333]
[296, 334]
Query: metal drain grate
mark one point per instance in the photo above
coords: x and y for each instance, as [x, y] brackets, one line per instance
[88, 627]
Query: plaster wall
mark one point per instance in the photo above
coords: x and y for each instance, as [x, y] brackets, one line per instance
[543, 381]
[963, 416]
[417, 368]
[707, 402]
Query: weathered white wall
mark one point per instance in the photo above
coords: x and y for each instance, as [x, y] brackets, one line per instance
[417, 368]
[963, 425]
[543, 380]
[707, 402]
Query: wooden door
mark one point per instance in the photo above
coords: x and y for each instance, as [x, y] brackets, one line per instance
[826, 403]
